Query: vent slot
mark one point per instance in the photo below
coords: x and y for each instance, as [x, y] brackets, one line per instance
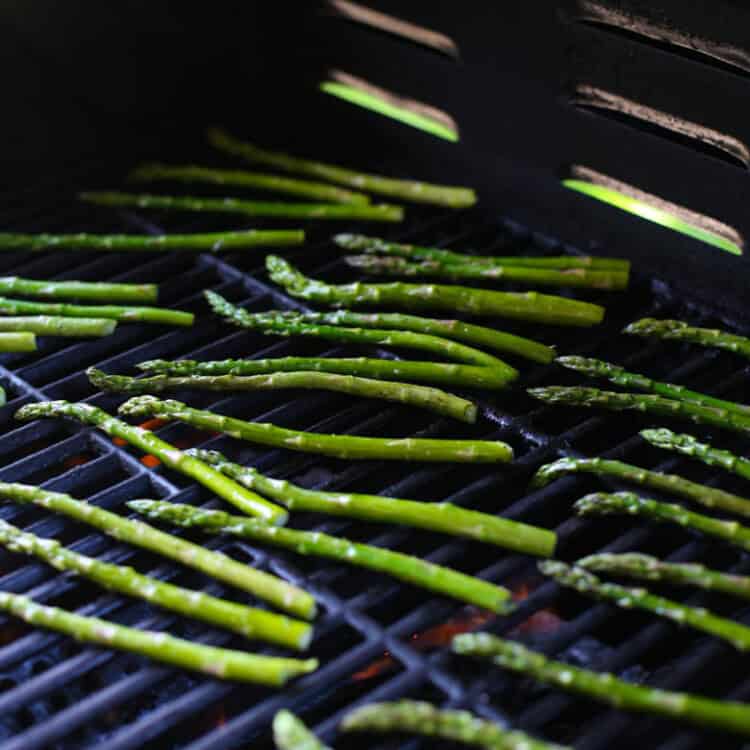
[408, 111]
[653, 208]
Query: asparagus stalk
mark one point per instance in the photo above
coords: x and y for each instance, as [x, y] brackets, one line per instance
[89, 290]
[215, 564]
[289, 733]
[160, 315]
[631, 598]
[407, 568]
[51, 325]
[369, 212]
[648, 403]
[531, 306]
[3, 397]
[626, 503]
[239, 618]
[571, 277]
[448, 329]
[286, 325]
[222, 663]
[17, 342]
[595, 368]
[337, 446]
[689, 446]
[710, 497]
[645, 567]
[243, 178]
[411, 190]
[442, 373]
[240, 497]
[360, 242]
[606, 688]
[444, 518]
[418, 717]
[676, 330]
[419, 396]
[210, 242]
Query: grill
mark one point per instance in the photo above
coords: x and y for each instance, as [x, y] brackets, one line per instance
[376, 640]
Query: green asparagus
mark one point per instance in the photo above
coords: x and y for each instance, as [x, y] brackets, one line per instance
[17, 342]
[240, 497]
[646, 403]
[337, 446]
[285, 596]
[380, 246]
[160, 315]
[645, 567]
[286, 325]
[289, 733]
[369, 212]
[50, 325]
[595, 368]
[211, 242]
[626, 503]
[418, 717]
[420, 192]
[222, 663]
[441, 517]
[247, 621]
[89, 290]
[407, 568]
[571, 277]
[710, 497]
[676, 330]
[531, 306]
[242, 178]
[3, 396]
[419, 396]
[637, 598]
[611, 690]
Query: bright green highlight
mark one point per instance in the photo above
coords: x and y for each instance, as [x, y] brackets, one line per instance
[376, 104]
[657, 215]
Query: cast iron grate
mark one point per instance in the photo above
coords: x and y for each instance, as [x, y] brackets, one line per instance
[54, 693]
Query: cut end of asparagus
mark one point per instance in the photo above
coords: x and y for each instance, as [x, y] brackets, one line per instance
[548, 473]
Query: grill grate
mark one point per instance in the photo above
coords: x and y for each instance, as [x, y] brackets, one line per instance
[54, 693]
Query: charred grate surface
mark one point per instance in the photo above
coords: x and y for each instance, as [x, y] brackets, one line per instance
[375, 639]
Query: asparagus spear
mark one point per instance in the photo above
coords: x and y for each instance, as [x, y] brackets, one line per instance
[630, 598]
[441, 517]
[243, 178]
[289, 733]
[210, 242]
[689, 446]
[448, 329]
[265, 586]
[626, 503]
[615, 401]
[423, 397]
[710, 497]
[337, 446]
[635, 565]
[571, 277]
[286, 325]
[407, 568]
[247, 502]
[3, 397]
[51, 325]
[248, 621]
[111, 312]
[222, 663]
[369, 212]
[380, 246]
[595, 368]
[420, 192]
[531, 306]
[17, 342]
[694, 709]
[676, 330]
[88, 290]
[418, 717]
[443, 373]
